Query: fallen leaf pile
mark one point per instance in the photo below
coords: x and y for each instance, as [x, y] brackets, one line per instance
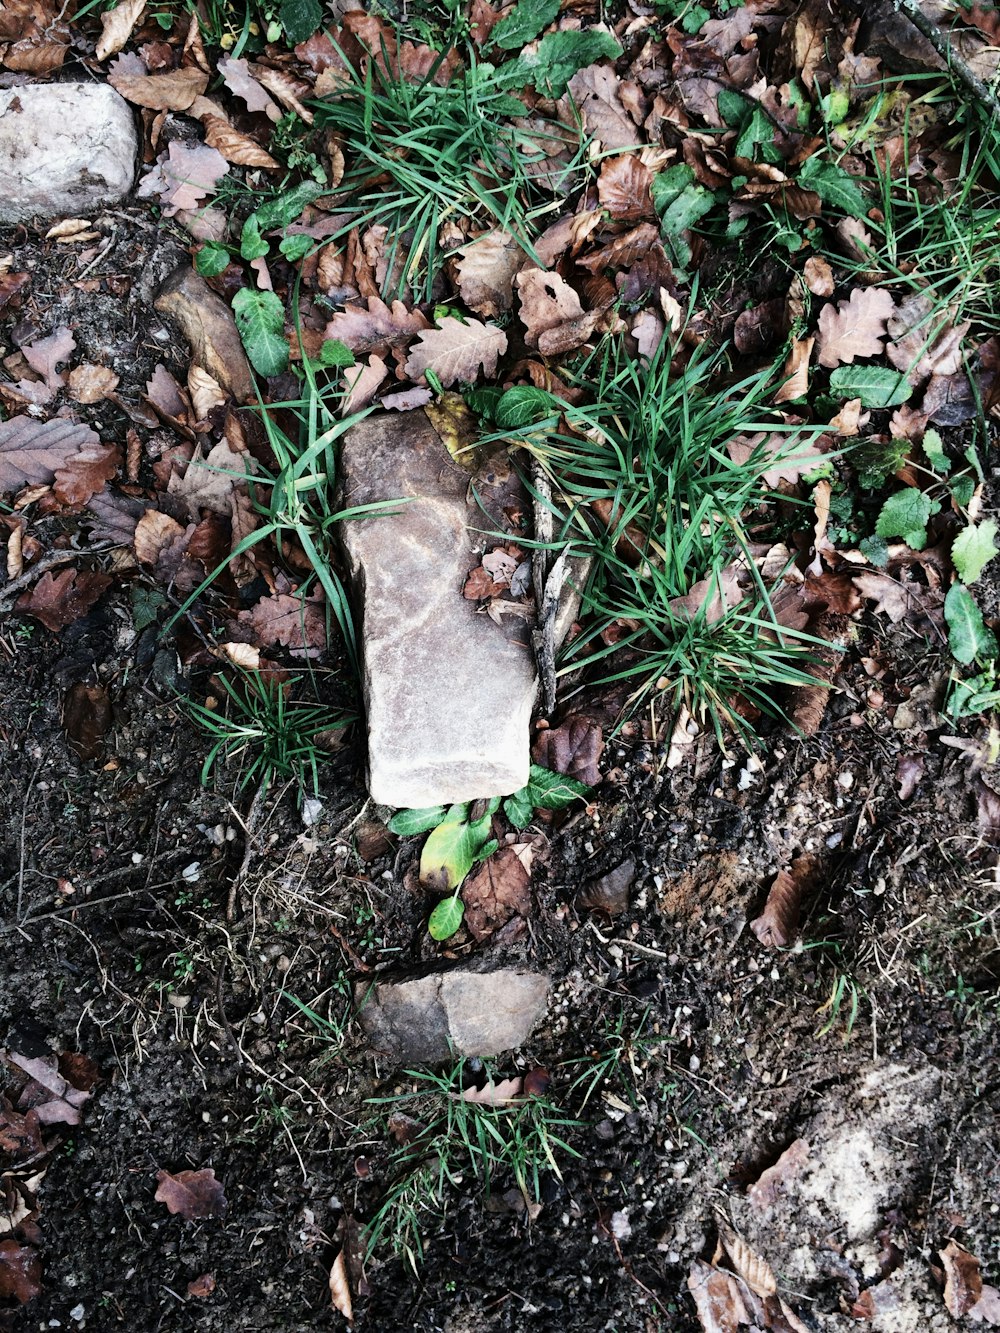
[40, 1097]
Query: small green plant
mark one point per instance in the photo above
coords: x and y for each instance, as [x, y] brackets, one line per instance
[519, 1137]
[332, 1029]
[268, 734]
[843, 1003]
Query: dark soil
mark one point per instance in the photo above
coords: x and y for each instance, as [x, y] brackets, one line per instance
[117, 941]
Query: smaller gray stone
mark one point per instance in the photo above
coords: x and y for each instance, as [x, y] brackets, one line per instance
[451, 1014]
[66, 149]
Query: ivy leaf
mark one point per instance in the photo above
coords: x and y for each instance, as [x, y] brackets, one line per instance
[968, 636]
[296, 247]
[300, 18]
[680, 204]
[260, 319]
[408, 822]
[211, 259]
[519, 808]
[336, 354]
[283, 211]
[446, 918]
[553, 791]
[834, 186]
[524, 23]
[973, 550]
[876, 386]
[252, 243]
[906, 514]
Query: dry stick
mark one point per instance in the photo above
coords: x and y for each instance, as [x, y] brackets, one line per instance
[942, 45]
[250, 826]
[49, 561]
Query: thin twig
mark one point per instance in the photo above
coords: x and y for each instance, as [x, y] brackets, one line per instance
[942, 44]
[250, 826]
[49, 561]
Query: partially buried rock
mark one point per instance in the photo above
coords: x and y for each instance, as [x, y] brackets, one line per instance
[457, 1013]
[610, 893]
[448, 692]
[66, 149]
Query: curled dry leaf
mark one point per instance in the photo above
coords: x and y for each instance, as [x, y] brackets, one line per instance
[486, 272]
[243, 655]
[201, 1286]
[86, 718]
[173, 91]
[796, 371]
[235, 146]
[773, 1183]
[548, 303]
[117, 25]
[499, 890]
[855, 327]
[238, 79]
[340, 1290]
[20, 1272]
[777, 925]
[191, 1194]
[609, 894]
[495, 1094]
[574, 748]
[59, 599]
[909, 771]
[755, 1271]
[91, 384]
[818, 276]
[963, 1282]
[623, 188]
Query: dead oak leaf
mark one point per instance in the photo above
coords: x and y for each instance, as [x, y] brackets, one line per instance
[376, 329]
[455, 351]
[45, 354]
[925, 341]
[173, 91]
[596, 100]
[891, 597]
[183, 176]
[791, 456]
[208, 482]
[85, 474]
[479, 586]
[90, 384]
[818, 276]
[486, 271]
[774, 1181]
[238, 79]
[191, 1194]
[855, 327]
[796, 384]
[297, 623]
[31, 452]
[502, 1093]
[623, 188]
[963, 1285]
[553, 317]
[59, 599]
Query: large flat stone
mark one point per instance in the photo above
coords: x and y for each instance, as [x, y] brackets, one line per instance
[448, 692]
[457, 1013]
[66, 149]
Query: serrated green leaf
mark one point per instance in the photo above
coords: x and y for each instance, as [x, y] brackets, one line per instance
[973, 549]
[146, 605]
[300, 18]
[695, 19]
[933, 447]
[906, 514]
[295, 247]
[260, 319]
[557, 58]
[211, 259]
[252, 244]
[406, 823]
[968, 636]
[524, 24]
[446, 918]
[518, 808]
[523, 406]
[553, 791]
[834, 186]
[876, 550]
[876, 386]
[335, 354]
[962, 489]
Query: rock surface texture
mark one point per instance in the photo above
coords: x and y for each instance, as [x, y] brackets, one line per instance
[458, 1013]
[66, 149]
[448, 692]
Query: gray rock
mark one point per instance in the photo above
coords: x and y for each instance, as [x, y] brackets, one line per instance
[66, 149]
[448, 692]
[209, 326]
[448, 1014]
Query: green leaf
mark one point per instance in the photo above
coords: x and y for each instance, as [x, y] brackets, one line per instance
[146, 605]
[523, 406]
[252, 244]
[446, 918]
[906, 514]
[300, 18]
[759, 129]
[211, 259]
[680, 203]
[451, 850]
[553, 791]
[295, 247]
[978, 694]
[408, 822]
[335, 354]
[834, 186]
[557, 58]
[524, 24]
[876, 386]
[667, 185]
[284, 210]
[973, 549]
[734, 108]
[260, 319]
[695, 19]
[519, 808]
[968, 636]
[933, 447]
[876, 550]
[963, 489]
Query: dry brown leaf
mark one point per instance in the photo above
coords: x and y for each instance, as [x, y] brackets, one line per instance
[499, 890]
[574, 748]
[191, 1194]
[296, 622]
[154, 531]
[547, 301]
[778, 924]
[288, 91]
[208, 482]
[202, 1286]
[925, 341]
[57, 600]
[235, 147]
[479, 586]
[623, 188]
[755, 1271]
[173, 91]
[238, 79]
[36, 37]
[963, 1282]
[595, 92]
[92, 384]
[183, 176]
[796, 384]
[45, 354]
[340, 1290]
[773, 1183]
[987, 1309]
[376, 329]
[205, 392]
[486, 272]
[850, 419]
[85, 474]
[361, 382]
[86, 718]
[718, 1299]
[243, 655]
[117, 25]
[892, 598]
[855, 327]
[713, 597]
[20, 1272]
[455, 351]
[909, 771]
[794, 456]
[610, 893]
[818, 276]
